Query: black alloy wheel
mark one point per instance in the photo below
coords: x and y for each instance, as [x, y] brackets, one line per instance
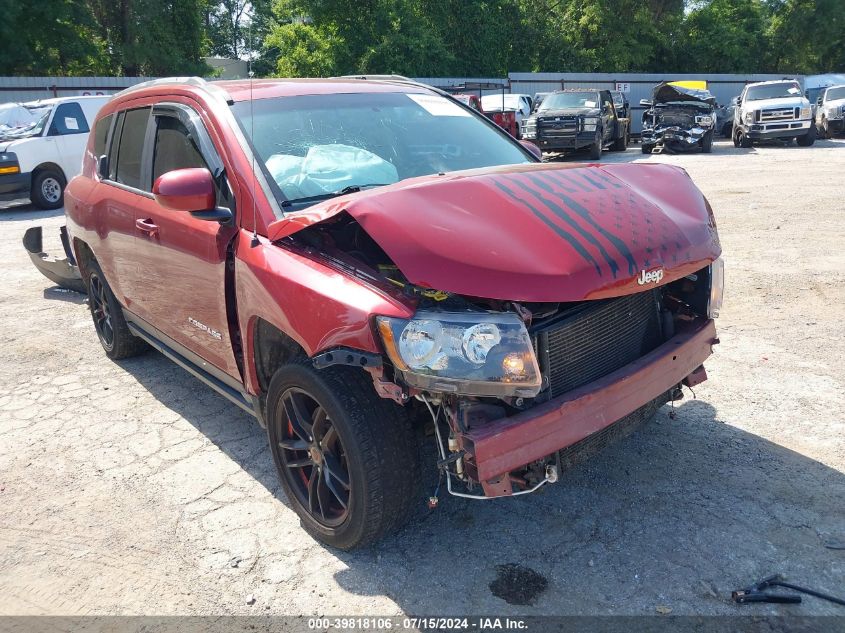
[101, 311]
[314, 458]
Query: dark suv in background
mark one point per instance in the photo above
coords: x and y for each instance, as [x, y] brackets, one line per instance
[568, 120]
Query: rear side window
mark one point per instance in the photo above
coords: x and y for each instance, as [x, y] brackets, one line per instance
[68, 119]
[130, 147]
[101, 133]
[174, 147]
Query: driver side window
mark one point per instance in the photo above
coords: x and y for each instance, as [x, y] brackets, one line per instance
[174, 148]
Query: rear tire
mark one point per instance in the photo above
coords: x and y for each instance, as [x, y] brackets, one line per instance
[371, 443]
[809, 138]
[112, 330]
[48, 189]
[620, 144]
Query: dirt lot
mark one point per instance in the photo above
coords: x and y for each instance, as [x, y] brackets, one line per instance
[132, 488]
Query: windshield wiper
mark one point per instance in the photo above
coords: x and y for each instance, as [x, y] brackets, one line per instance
[332, 194]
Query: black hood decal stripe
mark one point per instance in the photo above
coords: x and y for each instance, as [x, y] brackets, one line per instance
[570, 239]
[584, 214]
[553, 206]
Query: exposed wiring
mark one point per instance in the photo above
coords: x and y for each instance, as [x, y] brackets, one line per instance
[435, 418]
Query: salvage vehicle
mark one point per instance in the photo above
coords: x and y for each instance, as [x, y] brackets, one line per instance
[363, 265]
[773, 110]
[41, 147]
[678, 119]
[830, 111]
[573, 119]
[725, 118]
[519, 104]
[471, 94]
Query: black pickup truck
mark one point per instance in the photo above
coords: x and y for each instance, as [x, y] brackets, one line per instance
[572, 119]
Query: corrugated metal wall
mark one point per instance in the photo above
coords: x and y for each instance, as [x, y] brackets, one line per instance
[32, 88]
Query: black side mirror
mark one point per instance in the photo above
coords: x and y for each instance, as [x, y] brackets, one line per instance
[103, 167]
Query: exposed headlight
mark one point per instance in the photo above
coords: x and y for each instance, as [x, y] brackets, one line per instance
[805, 113]
[474, 354]
[717, 287]
[749, 117]
[704, 120]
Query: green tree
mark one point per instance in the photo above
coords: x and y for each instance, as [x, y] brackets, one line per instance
[152, 37]
[50, 37]
[806, 36]
[725, 36]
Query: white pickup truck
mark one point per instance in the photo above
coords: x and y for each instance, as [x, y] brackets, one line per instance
[773, 110]
[41, 147]
[830, 111]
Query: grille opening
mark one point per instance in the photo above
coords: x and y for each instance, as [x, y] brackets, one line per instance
[596, 338]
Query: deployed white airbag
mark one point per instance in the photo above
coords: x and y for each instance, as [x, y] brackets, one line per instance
[329, 168]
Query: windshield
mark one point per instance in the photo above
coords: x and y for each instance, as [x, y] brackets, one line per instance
[321, 144]
[835, 93]
[773, 91]
[19, 120]
[561, 100]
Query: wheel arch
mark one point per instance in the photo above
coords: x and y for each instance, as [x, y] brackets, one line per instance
[270, 348]
[84, 256]
[49, 166]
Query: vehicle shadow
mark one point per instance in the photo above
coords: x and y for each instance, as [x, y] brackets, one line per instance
[228, 427]
[57, 293]
[681, 513]
[24, 210]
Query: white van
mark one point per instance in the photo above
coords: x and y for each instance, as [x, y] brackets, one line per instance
[41, 147]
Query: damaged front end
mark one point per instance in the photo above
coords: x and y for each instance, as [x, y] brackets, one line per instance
[540, 329]
[678, 120]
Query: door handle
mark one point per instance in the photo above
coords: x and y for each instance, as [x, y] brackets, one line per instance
[147, 226]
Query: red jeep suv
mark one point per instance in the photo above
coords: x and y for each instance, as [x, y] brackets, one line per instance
[365, 263]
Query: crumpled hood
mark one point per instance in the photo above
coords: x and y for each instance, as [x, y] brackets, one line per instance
[665, 92]
[534, 232]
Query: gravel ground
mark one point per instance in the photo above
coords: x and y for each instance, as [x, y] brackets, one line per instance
[131, 488]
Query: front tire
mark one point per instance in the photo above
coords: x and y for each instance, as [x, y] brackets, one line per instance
[809, 138]
[112, 330]
[347, 458]
[48, 189]
[707, 143]
[741, 139]
[596, 147]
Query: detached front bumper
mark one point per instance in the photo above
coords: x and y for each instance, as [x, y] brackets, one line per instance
[62, 271]
[498, 447]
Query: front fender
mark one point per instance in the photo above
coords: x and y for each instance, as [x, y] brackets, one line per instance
[318, 307]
